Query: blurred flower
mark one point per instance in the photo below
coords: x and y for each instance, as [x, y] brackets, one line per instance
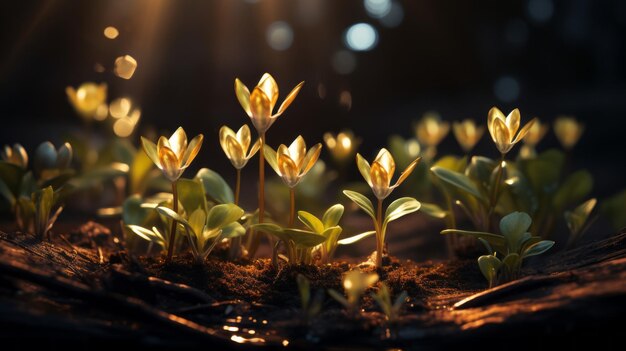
[356, 282]
[259, 105]
[341, 146]
[430, 130]
[48, 160]
[379, 174]
[173, 155]
[568, 130]
[87, 98]
[236, 146]
[16, 155]
[504, 130]
[536, 132]
[467, 134]
[293, 162]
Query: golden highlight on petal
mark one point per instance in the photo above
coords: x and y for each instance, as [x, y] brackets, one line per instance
[243, 95]
[173, 155]
[270, 88]
[504, 130]
[380, 180]
[292, 163]
[260, 107]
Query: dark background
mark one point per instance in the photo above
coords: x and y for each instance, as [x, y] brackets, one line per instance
[566, 57]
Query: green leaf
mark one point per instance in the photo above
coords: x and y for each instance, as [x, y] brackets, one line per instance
[538, 248]
[544, 171]
[233, 230]
[11, 175]
[191, 195]
[304, 238]
[215, 186]
[489, 266]
[575, 188]
[197, 220]
[332, 216]
[513, 226]
[433, 210]
[452, 163]
[339, 297]
[7, 193]
[494, 239]
[222, 215]
[304, 287]
[332, 234]
[614, 209]
[311, 221]
[577, 218]
[363, 202]
[480, 169]
[399, 208]
[146, 234]
[169, 213]
[43, 200]
[139, 172]
[459, 180]
[355, 238]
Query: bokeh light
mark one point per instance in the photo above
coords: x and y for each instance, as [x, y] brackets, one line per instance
[377, 8]
[279, 36]
[506, 89]
[361, 37]
[540, 11]
[344, 62]
[394, 17]
[111, 32]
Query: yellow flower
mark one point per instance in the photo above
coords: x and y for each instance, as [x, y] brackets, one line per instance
[341, 146]
[568, 130]
[536, 132]
[87, 98]
[379, 174]
[259, 105]
[15, 155]
[236, 146]
[467, 134]
[430, 130]
[504, 130]
[173, 155]
[293, 162]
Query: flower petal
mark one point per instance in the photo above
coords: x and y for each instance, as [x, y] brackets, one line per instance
[150, 149]
[380, 180]
[260, 107]
[309, 160]
[501, 136]
[235, 152]
[297, 150]
[494, 113]
[192, 150]
[243, 95]
[386, 160]
[513, 121]
[225, 132]
[407, 171]
[270, 88]
[289, 99]
[254, 149]
[243, 137]
[169, 163]
[364, 168]
[178, 142]
[288, 170]
[522, 133]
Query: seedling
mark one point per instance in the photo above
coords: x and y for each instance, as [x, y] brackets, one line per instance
[355, 283]
[508, 249]
[235, 146]
[391, 308]
[32, 195]
[204, 230]
[172, 156]
[378, 177]
[259, 106]
[311, 305]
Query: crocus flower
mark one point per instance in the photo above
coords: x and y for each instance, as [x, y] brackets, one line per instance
[505, 131]
[173, 155]
[236, 145]
[379, 174]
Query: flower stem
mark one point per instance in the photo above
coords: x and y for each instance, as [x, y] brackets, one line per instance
[237, 187]
[255, 237]
[235, 243]
[379, 234]
[496, 189]
[170, 249]
[292, 206]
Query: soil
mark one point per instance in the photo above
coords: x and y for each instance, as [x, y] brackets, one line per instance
[84, 290]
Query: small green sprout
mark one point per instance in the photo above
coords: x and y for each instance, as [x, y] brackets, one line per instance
[32, 195]
[355, 283]
[205, 230]
[311, 305]
[578, 220]
[391, 309]
[513, 246]
[318, 241]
